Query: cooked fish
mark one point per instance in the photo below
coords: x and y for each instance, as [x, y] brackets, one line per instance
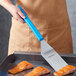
[65, 70]
[20, 67]
[38, 71]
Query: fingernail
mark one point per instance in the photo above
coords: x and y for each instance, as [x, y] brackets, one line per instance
[24, 17]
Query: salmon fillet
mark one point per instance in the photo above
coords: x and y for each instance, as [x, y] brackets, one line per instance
[20, 67]
[38, 71]
[65, 70]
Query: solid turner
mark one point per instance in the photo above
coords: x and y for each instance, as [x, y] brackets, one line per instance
[49, 54]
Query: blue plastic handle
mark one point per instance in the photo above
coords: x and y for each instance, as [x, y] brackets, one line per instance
[31, 25]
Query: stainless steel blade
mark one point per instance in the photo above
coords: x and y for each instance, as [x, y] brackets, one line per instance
[51, 56]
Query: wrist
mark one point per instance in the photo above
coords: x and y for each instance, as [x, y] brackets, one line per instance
[7, 4]
[4, 2]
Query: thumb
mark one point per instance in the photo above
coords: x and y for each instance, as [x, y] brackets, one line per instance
[21, 14]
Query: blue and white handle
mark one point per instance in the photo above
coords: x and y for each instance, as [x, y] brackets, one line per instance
[31, 25]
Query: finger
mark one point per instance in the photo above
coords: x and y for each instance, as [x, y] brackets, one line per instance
[18, 17]
[21, 14]
[21, 20]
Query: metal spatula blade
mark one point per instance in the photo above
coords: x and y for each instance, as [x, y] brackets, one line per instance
[51, 56]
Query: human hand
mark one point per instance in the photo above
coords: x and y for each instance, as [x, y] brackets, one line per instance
[17, 14]
[14, 10]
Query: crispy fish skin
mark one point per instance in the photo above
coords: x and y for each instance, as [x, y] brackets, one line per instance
[65, 70]
[20, 67]
[38, 71]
